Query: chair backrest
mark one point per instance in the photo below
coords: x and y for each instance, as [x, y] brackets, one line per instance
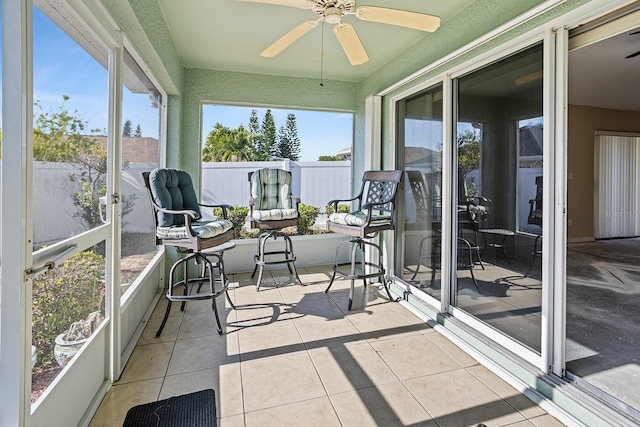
[420, 195]
[171, 189]
[535, 205]
[379, 187]
[271, 189]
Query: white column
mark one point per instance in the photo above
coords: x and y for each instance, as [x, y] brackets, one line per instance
[372, 132]
[17, 238]
[114, 203]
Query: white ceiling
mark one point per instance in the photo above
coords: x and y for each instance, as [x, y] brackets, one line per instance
[229, 35]
[600, 76]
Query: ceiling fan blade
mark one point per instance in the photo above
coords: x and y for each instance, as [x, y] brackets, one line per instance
[402, 18]
[302, 4]
[350, 43]
[633, 55]
[283, 42]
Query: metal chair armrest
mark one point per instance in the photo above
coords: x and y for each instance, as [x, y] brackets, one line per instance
[224, 208]
[369, 206]
[337, 201]
[187, 213]
[481, 199]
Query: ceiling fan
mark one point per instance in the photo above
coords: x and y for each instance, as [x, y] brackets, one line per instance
[332, 11]
[633, 54]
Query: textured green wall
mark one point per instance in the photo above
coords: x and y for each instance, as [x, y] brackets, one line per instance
[144, 26]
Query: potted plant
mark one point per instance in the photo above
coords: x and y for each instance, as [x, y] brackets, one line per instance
[65, 295]
[69, 342]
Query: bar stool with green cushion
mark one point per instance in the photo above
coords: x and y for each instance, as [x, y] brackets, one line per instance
[375, 212]
[272, 208]
[178, 223]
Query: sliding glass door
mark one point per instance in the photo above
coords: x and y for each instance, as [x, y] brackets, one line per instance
[498, 182]
[419, 119]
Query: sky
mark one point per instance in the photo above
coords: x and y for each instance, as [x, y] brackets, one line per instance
[320, 133]
[62, 67]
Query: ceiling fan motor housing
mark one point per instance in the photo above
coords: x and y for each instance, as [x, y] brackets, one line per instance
[333, 10]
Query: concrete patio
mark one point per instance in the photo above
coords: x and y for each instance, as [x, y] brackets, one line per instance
[293, 355]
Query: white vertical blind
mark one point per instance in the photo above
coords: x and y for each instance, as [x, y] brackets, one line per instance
[616, 198]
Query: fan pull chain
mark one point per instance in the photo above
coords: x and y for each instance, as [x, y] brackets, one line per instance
[322, 53]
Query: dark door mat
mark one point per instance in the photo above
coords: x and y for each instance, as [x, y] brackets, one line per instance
[189, 410]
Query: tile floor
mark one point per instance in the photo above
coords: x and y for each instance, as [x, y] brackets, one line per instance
[293, 355]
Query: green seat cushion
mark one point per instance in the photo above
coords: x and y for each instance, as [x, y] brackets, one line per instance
[271, 189]
[358, 219]
[203, 230]
[173, 189]
[274, 214]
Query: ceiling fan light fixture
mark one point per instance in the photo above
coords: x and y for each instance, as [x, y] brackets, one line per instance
[332, 15]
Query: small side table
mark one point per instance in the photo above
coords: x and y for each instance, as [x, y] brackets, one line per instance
[498, 238]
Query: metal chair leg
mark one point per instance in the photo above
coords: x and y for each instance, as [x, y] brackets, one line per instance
[534, 255]
[288, 254]
[358, 244]
[164, 320]
[207, 273]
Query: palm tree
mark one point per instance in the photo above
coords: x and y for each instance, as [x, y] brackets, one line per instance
[228, 145]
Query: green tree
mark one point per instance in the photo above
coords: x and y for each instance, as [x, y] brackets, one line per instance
[268, 132]
[138, 133]
[58, 137]
[288, 140]
[283, 147]
[468, 152]
[254, 124]
[468, 160]
[126, 129]
[228, 145]
[259, 143]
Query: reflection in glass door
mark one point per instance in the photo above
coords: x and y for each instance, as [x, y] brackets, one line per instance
[420, 147]
[499, 190]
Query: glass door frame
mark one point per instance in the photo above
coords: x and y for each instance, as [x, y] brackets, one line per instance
[547, 38]
[551, 333]
[432, 302]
